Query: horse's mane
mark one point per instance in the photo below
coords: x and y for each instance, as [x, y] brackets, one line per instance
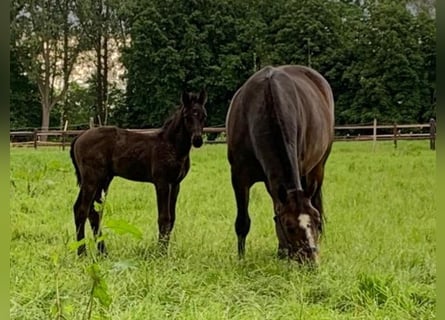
[174, 116]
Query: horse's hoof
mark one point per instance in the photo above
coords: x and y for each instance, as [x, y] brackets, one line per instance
[282, 253]
[81, 252]
[102, 249]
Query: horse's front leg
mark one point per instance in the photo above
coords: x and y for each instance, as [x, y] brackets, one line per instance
[282, 251]
[165, 224]
[172, 205]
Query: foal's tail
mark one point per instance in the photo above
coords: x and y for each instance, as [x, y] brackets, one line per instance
[73, 159]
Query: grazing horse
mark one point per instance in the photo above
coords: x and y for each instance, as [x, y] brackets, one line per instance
[280, 129]
[162, 158]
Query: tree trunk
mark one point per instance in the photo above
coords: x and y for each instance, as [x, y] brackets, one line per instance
[99, 94]
[99, 67]
[45, 119]
[105, 78]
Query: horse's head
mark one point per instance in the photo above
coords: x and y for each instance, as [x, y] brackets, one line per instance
[298, 226]
[194, 115]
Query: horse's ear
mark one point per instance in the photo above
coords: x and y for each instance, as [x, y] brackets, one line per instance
[202, 96]
[185, 98]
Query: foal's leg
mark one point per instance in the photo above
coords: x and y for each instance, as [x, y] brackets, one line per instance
[242, 222]
[163, 191]
[172, 205]
[81, 210]
[95, 218]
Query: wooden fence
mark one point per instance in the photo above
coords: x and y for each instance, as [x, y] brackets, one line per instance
[394, 132]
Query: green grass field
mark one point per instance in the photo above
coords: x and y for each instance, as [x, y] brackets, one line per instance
[377, 255]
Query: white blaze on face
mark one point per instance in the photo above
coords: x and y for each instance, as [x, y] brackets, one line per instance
[305, 222]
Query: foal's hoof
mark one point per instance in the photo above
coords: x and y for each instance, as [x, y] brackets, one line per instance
[103, 252]
[162, 247]
[82, 250]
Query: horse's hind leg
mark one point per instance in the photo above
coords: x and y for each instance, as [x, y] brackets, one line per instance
[81, 211]
[95, 218]
[242, 222]
[79, 220]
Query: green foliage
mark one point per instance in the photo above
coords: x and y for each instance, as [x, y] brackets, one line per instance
[379, 56]
[25, 109]
[185, 46]
[378, 256]
[100, 288]
[389, 76]
[77, 106]
[123, 227]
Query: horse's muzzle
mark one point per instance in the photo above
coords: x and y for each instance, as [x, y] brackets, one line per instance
[197, 141]
[306, 256]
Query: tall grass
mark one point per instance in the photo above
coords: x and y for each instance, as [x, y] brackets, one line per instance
[377, 256]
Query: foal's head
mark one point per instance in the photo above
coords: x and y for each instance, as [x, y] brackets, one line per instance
[194, 115]
[298, 226]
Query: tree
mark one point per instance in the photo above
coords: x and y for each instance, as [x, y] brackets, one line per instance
[186, 45]
[100, 22]
[384, 78]
[425, 31]
[24, 96]
[77, 107]
[379, 56]
[47, 32]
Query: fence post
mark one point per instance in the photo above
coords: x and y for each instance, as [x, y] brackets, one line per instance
[374, 134]
[395, 135]
[432, 134]
[35, 138]
[64, 134]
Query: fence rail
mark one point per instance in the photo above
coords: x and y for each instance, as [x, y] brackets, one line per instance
[34, 137]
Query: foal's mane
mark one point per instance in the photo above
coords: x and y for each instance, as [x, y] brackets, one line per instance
[173, 118]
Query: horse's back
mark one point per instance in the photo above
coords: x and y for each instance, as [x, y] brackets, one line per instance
[313, 78]
[295, 86]
[297, 97]
[316, 113]
[96, 139]
[93, 149]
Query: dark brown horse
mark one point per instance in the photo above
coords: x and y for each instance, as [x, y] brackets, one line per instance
[162, 158]
[280, 128]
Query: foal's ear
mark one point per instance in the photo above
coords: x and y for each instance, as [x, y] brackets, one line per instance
[185, 98]
[202, 97]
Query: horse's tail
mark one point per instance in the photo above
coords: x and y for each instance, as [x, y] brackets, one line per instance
[73, 159]
[281, 127]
